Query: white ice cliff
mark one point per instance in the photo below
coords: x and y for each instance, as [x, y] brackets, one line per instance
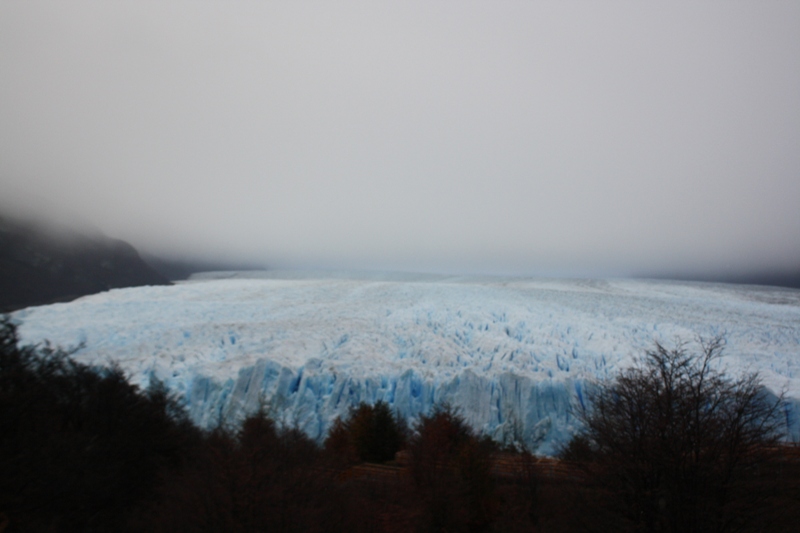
[514, 355]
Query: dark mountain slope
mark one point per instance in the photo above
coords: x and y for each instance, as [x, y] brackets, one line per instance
[42, 264]
[178, 269]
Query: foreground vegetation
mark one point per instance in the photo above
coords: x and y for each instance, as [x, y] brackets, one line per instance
[670, 445]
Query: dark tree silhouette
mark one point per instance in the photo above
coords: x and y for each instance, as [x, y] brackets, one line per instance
[451, 469]
[674, 444]
[370, 433]
[79, 448]
[264, 478]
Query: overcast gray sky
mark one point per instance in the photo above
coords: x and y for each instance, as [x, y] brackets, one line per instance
[588, 138]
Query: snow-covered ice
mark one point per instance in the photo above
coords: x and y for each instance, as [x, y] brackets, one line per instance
[514, 355]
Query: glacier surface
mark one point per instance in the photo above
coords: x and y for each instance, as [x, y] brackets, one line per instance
[513, 355]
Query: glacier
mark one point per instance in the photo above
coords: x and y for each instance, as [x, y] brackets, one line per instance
[513, 355]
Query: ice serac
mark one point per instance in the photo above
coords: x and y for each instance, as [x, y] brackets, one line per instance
[514, 356]
[512, 409]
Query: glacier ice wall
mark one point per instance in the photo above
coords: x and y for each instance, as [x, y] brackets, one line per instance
[513, 355]
[510, 408]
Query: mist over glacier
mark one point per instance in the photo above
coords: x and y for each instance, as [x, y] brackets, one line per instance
[513, 355]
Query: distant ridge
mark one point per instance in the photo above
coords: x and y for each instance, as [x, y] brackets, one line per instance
[786, 279]
[42, 263]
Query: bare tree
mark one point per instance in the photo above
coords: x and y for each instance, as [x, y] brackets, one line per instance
[674, 444]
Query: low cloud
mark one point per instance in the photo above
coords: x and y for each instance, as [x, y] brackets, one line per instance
[516, 138]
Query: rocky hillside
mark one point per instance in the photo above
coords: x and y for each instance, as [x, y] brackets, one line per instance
[41, 263]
